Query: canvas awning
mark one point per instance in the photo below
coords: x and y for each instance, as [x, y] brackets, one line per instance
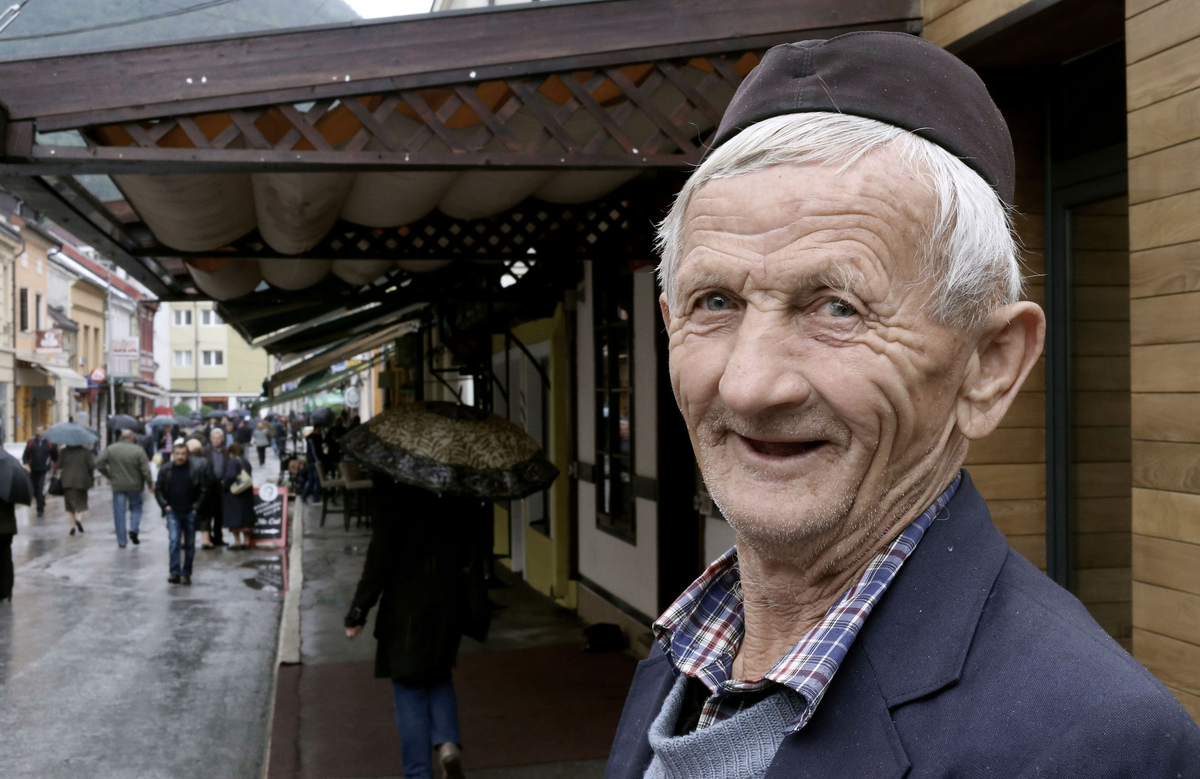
[323, 384]
[143, 392]
[339, 353]
[68, 377]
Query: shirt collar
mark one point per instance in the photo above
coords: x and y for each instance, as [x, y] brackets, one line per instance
[702, 630]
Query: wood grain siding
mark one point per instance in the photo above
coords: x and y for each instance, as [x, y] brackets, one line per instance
[1163, 98]
[1008, 466]
[948, 21]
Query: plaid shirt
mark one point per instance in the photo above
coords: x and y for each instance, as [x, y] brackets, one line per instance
[702, 630]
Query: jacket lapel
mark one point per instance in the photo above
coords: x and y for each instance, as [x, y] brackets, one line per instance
[631, 755]
[851, 733]
[918, 636]
[914, 644]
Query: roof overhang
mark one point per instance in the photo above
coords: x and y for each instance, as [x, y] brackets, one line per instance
[494, 135]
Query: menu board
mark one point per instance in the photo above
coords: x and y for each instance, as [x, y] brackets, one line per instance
[270, 516]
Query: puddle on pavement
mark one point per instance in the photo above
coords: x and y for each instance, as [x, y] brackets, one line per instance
[268, 574]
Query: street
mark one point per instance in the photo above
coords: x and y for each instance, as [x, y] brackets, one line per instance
[106, 670]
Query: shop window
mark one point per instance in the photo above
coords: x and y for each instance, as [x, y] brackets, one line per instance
[216, 357]
[183, 317]
[613, 318]
[183, 358]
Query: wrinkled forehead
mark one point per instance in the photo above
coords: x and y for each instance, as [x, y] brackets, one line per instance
[866, 221]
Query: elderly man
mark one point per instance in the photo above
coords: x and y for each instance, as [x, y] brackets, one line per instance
[216, 451]
[127, 468]
[841, 293]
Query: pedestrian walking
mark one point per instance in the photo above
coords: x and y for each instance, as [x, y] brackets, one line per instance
[262, 439]
[311, 480]
[422, 614]
[15, 487]
[238, 507]
[181, 490]
[39, 458]
[127, 468]
[211, 519]
[75, 466]
[279, 433]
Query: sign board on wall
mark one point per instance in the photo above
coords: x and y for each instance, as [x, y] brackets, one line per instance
[124, 347]
[49, 341]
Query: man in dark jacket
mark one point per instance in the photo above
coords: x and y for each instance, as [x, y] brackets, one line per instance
[39, 457]
[422, 614]
[216, 451]
[181, 490]
[834, 361]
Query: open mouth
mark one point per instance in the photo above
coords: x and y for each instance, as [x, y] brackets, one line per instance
[782, 448]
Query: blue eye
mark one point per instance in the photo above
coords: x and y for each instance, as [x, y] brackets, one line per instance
[840, 309]
[715, 301]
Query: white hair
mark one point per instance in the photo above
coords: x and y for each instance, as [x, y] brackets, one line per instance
[971, 251]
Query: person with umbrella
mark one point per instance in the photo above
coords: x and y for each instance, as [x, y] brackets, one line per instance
[15, 487]
[76, 462]
[39, 457]
[433, 464]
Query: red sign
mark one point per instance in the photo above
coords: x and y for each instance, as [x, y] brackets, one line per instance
[98, 375]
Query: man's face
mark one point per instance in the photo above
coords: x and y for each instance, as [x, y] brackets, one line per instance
[179, 455]
[37, 431]
[817, 392]
[216, 437]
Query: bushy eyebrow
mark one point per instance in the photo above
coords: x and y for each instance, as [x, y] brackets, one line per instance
[839, 277]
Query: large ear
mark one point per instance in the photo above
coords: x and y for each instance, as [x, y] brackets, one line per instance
[666, 310]
[1004, 354]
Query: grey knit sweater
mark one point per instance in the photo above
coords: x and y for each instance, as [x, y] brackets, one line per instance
[740, 747]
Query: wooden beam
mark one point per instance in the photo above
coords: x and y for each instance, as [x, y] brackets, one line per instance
[335, 61]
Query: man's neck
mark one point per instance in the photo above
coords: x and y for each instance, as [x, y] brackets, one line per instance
[786, 596]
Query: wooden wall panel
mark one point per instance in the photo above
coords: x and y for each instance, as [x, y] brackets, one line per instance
[1163, 99]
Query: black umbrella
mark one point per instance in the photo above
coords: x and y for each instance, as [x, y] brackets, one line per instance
[216, 414]
[322, 416]
[124, 422]
[15, 485]
[452, 449]
[164, 420]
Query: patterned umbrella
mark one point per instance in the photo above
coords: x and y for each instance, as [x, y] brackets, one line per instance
[70, 434]
[452, 449]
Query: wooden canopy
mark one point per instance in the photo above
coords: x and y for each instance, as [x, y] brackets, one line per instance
[535, 133]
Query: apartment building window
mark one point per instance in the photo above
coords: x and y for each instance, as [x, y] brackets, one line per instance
[37, 311]
[183, 358]
[183, 317]
[210, 318]
[83, 347]
[613, 322]
[23, 309]
[215, 357]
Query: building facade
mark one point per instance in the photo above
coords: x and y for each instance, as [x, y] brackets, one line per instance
[210, 363]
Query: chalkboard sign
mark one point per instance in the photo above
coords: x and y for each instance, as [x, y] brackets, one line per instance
[270, 516]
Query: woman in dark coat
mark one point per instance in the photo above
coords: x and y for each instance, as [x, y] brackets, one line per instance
[238, 509]
[417, 568]
[75, 466]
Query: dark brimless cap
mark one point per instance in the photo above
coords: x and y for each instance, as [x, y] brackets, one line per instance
[892, 77]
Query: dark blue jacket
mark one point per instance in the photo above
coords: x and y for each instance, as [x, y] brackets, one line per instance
[974, 664]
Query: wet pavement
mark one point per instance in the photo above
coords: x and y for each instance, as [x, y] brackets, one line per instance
[106, 670]
[532, 704]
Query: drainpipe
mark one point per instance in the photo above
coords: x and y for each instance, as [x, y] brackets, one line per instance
[196, 351]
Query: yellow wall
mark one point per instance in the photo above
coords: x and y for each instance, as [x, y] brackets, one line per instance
[242, 371]
[547, 560]
[31, 271]
[87, 309]
[1163, 100]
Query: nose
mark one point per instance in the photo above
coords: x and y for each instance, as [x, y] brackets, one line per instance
[765, 369]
